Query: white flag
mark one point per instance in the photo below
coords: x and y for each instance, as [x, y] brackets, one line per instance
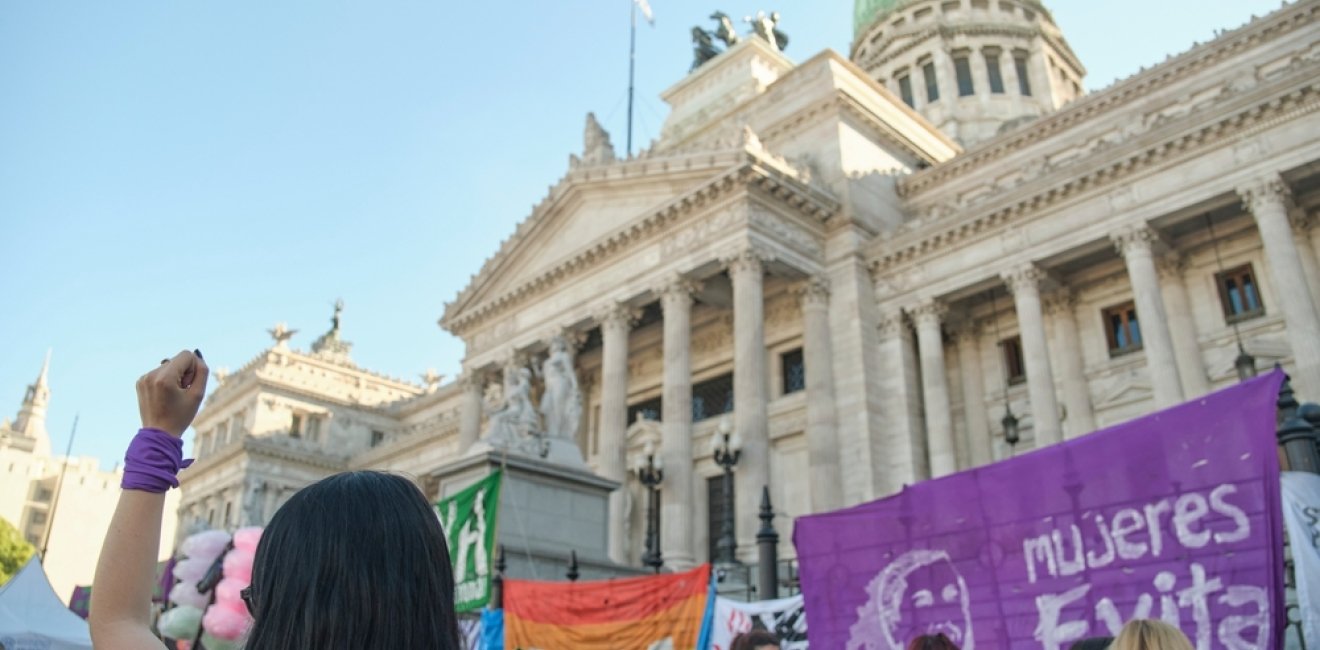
[646, 10]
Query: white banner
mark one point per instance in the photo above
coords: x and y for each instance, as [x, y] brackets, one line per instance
[785, 618]
[1301, 515]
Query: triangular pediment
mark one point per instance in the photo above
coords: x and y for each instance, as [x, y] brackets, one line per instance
[587, 206]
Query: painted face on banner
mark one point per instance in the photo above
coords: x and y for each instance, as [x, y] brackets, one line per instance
[920, 592]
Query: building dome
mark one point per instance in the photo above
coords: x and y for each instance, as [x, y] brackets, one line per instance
[970, 67]
[866, 12]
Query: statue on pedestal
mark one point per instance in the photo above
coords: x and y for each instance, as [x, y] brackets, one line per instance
[516, 423]
[561, 402]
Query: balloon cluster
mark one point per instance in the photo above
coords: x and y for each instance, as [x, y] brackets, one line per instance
[214, 562]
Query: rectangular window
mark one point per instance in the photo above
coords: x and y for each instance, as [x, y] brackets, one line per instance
[295, 426]
[377, 437]
[922, 13]
[1239, 295]
[228, 511]
[222, 432]
[793, 371]
[932, 84]
[1015, 369]
[1024, 82]
[905, 90]
[38, 517]
[952, 5]
[992, 71]
[963, 71]
[651, 409]
[1122, 329]
[716, 503]
[43, 495]
[712, 397]
[314, 429]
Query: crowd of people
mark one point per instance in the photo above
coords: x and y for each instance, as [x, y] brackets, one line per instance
[356, 560]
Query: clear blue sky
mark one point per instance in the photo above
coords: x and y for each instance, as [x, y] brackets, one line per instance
[186, 174]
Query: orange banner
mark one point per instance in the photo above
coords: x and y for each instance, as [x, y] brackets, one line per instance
[623, 614]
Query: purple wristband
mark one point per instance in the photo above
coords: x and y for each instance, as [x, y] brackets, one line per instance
[152, 461]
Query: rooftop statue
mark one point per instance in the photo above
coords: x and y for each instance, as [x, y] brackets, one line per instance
[703, 40]
[725, 30]
[703, 47]
[767, 28]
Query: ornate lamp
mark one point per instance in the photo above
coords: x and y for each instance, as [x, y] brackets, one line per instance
[1010, 422]
[650, 472]
[726, 448]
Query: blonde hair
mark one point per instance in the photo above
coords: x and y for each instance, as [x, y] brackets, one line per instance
[1150, 634]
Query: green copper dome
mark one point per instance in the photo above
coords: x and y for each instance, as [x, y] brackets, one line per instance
[866, 11]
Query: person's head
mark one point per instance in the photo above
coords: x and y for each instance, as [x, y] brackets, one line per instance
[755, 640]
[932, 642]
[1150, 634]
[1093, 643]
[357, 560]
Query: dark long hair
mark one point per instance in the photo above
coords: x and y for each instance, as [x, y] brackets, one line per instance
[357, 560]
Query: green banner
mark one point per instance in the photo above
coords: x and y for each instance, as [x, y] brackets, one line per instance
[468, 519]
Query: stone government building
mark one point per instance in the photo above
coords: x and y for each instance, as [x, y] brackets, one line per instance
[865, 263]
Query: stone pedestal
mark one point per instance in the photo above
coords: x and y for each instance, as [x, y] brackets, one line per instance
[547, 510]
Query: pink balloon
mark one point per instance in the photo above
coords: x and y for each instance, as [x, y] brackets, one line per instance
[225, 621]
[206, 545]
[247, 538]
[238, 566]
[229, 591]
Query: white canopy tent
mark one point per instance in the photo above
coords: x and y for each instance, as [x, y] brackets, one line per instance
[32, 616]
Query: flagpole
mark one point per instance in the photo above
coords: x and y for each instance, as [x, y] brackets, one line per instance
[632, 58]
[59, 487]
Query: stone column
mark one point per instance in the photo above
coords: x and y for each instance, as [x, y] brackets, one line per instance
[676, 424]
[615, 321]
[967, 336]
[1304, 229]
[751, 421]
[1068, 354]
[1267, 200]
[822, 425]
[1134, 244]
[469, 426]
[935, 388]
[1024, 283]
[1182, 327]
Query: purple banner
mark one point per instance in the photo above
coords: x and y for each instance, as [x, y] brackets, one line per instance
[1173, 516]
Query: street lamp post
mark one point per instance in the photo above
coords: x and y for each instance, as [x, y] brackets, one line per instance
[726, 447]
[650, 473]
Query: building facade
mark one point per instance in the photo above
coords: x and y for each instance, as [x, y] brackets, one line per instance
[862, 275]
[67, 516]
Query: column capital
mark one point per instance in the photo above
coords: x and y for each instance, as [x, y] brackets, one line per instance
[1134, 239]
[929, 313]
[890, 324]
[1265, 192]
[1173, 265]
[1060, 302]
[472, 379]
[749, 260]
[965, 329]
[813, 292]
[617, 315]
[676, 287]
[1024, 277]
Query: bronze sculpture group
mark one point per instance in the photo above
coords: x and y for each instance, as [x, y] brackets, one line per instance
[764, 26]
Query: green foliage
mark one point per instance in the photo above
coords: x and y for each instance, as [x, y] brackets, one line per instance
[14, 551]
